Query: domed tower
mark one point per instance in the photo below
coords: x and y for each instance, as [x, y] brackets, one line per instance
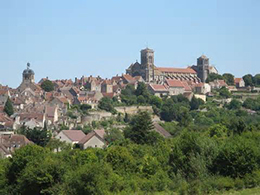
[147, 64]
[28, 75]
[203, 67]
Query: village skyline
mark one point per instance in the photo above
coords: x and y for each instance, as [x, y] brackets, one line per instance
[62, 40]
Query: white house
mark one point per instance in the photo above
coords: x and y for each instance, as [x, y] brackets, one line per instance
[70, 136]
[94, 139]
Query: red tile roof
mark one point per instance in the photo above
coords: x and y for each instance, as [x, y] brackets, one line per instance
[129, 78]
[74, 135]
[174, 83]
[3, 91]
[110, 95]
[177, 70]
[158, 87]
[237, 80]
[99, 133]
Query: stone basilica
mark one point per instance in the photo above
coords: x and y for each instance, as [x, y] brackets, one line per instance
[152, 74]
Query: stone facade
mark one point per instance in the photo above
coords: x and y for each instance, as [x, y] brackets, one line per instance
[152, 74]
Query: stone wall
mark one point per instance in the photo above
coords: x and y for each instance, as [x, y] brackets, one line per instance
[133, 109]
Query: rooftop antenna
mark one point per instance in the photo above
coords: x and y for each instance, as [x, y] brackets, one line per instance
[147, 45]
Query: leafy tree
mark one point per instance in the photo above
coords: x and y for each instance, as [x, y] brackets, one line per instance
[142, 90]
[38, 136]
[39, 177]
[213, 77]
[234, 105]
[229, 78]
[141, 99]
[106, 104]
[195, 103]
[156, 101]
[128, 91]
[85, 107]
[21, 158]
[140, 127]
[223, 92]
[218, 131]
[96, 178]
[120, 159]
[249, 80]
[236, 158]
[257, 79]
[113, 134]
[57, 145]
[47, 86]
[237, 125]
[8, 108]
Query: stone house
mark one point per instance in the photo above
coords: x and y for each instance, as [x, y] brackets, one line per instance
[94, 139]
[239, 82]
[70, 136]
[9, 143]
[201, 88]
[175, 87]
[158, 90]
[217, 84]
[30, 120]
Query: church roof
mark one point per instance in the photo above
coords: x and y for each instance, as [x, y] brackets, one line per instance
[176, 70]
[28, 71]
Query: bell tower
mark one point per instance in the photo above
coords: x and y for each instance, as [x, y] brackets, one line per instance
[147, 64]
[203, 68]
[28, 75]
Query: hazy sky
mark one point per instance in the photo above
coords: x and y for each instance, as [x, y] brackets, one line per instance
[71, 38]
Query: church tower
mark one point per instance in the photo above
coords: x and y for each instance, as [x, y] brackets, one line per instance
[203, 68]
[28, 75]
[147, 64]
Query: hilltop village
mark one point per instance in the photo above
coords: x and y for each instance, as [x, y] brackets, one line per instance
[65, 108]
[150, 130]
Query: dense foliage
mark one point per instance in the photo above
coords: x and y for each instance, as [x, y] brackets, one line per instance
[47, 86]
[8, 108]
[212, 149]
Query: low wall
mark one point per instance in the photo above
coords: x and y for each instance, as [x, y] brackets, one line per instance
[133, 109]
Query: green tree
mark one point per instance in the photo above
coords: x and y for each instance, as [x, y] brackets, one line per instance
[141, 100]
[196, 103]
[8, 108]
[156, 101]
[85, 107]
[120, 159]
[213, 77]
[47, 86]
[229, 78]
[113, 134]
[218, 131]
[40, 177]
[237, 157]
[140, 128]
[106, 104]
[56, 145]
[96, 178]
[38, 136]
[257, 79]
[223, 92]
[234, 105]
[249, 80]
[142, 90]
[20, 159]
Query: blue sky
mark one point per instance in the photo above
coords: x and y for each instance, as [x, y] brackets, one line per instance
[68, 39]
